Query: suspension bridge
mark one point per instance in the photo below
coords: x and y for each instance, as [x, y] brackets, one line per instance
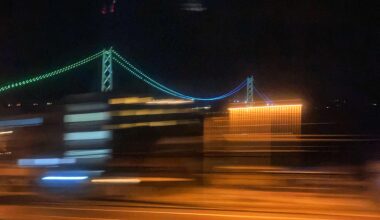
[110, 56]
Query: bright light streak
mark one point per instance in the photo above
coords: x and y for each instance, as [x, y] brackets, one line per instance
[164, 179]
[93, 156]
[64, 177]
[199, 108]
[169, 102]
[140, 179]
[21, 122]
[195, 7]
[87, 152]
[87, 117]
[130, 100]
[152, 124]
[6, 153]
[6, 132]
[45, 161]
[88, 135]
[150, 112]
[116, 180]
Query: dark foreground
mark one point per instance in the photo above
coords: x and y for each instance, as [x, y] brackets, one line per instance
[265, 194]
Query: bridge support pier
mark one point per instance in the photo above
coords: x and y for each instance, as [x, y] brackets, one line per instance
[249, 89]
[107, 72]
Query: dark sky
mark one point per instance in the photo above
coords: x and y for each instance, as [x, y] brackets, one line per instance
[308, 49]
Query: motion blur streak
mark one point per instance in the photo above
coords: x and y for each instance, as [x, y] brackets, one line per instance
[150, 112]
[203, 107]
[261, 169]
[6, 132]
[74, 173]
[169, 102]
[151, 124]
[86, 117]
[164, 179]
[45, 161]
[87, 135]
[92, 156]
[87, 152]
[130, 100]
[21, 122]
[140, 179]
[116, 180]
[85, 107]
[148, 101]
[64, 178]
[194, 213]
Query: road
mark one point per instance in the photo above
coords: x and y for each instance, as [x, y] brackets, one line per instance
[129, 211]
[263, 194]
[263, 206]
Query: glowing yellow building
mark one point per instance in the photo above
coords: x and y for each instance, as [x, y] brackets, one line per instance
[265, 120]
[252, 133]
[254, 122]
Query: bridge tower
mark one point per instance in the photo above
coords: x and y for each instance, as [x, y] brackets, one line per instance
[249, 89]
[107, 72]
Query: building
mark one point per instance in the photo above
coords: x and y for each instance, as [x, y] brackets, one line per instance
[255, 132]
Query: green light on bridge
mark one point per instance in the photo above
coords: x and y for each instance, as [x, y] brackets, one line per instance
[9, 86]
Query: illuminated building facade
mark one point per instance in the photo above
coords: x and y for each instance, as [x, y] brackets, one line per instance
[254, 133]
[152, 135]
[256, 121]
[265, 120]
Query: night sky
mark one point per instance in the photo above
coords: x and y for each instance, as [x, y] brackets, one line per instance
[314, 50]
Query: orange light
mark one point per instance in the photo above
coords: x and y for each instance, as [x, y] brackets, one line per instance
[271, 119]
[130, 100]
[151, 124]
[150, 112]
[135, 180]
[266, 106]
[168, 102]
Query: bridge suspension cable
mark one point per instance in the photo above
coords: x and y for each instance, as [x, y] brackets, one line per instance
[124, 64]
[263, 96]
[43, 76]
[142, 76]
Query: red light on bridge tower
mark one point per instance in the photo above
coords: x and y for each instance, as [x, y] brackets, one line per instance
[108, 7]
